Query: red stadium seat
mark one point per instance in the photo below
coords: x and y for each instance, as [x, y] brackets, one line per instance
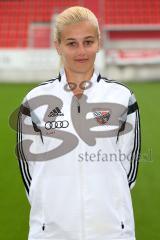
[20, 15]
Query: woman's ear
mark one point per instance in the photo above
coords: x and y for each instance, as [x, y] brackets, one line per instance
[57, 46]
[99, 45]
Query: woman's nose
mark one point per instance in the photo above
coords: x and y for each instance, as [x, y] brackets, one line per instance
[81, 49]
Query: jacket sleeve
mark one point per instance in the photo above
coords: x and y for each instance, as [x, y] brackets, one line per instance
[129, 142]
[26, 167]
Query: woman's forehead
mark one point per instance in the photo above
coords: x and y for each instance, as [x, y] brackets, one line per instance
[80, 30]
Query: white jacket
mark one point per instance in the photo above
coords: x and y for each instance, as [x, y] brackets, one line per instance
[79, 159]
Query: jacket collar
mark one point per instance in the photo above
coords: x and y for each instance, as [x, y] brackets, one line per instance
[95, 77]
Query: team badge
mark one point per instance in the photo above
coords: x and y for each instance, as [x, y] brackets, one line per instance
[102, 117]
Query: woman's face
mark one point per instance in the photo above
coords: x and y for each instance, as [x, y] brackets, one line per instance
[78, 47]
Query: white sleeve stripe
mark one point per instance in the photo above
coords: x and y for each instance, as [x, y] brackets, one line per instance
[25, 161]
[135, 153]
[134, 174]
[135, 156]
[21, 154]
[132, 99]
[24, 168]
[21, 161]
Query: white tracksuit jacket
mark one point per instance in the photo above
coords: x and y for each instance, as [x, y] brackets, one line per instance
[79, 159]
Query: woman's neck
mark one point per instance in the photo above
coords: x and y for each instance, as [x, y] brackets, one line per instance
[76, 77]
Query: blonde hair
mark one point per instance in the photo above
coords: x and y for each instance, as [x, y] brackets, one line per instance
[74, 15]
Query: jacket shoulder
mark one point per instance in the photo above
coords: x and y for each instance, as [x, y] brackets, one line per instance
[117, 84]
[42, 87]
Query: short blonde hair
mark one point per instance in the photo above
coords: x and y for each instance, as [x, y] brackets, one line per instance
[74, 15]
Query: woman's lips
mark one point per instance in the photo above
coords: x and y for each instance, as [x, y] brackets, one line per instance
[81, 60]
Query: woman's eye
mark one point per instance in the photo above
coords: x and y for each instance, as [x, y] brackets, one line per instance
[72, 44]
[88, 43]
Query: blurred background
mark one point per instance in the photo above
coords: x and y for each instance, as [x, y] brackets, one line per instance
[130, 38]
[130, 53]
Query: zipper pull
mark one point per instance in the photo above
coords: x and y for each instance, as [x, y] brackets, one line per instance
[43, 226]
[122, 225]
[78, 108]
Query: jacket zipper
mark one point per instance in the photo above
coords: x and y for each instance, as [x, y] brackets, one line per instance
[78, 107]
[43, 227]
[122, 225]
[81, 187]
[82, 201]
[43, 223]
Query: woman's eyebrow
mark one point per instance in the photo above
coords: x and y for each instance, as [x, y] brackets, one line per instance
[70, 39]
[89, 37]
[74, 39]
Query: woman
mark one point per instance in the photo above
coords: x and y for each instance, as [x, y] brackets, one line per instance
[79, 143]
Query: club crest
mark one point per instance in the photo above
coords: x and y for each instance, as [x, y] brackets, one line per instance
[102, 117]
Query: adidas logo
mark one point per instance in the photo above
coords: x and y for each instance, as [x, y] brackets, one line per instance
[55, 112]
